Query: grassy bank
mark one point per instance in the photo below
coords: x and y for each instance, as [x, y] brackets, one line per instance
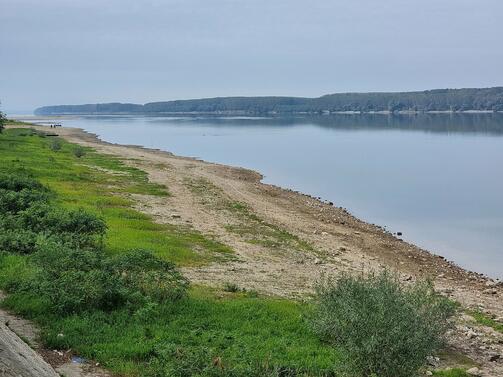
[207, 332]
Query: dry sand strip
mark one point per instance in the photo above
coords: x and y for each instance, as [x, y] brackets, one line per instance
[284, 240]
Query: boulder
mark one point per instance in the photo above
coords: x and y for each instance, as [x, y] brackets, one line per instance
[18, 359]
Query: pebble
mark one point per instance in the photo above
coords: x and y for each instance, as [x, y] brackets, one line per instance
[470, 334]
[474, 371]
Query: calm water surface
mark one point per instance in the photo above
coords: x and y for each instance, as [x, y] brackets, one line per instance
[436, 178]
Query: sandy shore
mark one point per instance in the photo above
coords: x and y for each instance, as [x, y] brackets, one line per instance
[284, 240]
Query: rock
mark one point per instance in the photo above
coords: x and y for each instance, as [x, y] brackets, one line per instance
[490, 291]
[324, 233]
[18, 359]
[428, 373]
[432, 360]
[318, 261]
[474, 371]
[470, 334]
[494, 357]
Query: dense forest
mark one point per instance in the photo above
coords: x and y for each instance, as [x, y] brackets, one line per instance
[488, 99]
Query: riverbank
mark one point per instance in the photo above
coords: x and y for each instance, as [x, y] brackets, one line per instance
[283, 241]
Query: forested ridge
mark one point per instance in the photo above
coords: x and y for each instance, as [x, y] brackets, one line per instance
[488, 99]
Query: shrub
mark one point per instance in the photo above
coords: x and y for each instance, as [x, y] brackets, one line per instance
[140, 271]
[74, 280]
[79, 152]
[20, 241]
[2, 121]
[385, 328]
[231, 287]
[55, 145]
[18, 182]
[15, 201]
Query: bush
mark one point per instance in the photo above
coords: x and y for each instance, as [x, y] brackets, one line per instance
[20, 241]
[385, 328]
[55, 145]
[231, 287]
[18, 182]
[76, 280]
[140, 271]
[2, 121]
[79, 152]
[71, 271]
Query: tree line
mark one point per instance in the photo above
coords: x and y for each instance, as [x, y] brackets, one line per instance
[486, 99]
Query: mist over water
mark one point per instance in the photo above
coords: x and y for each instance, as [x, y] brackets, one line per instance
[437, 178]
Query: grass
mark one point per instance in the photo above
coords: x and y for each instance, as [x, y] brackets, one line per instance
[101, 184]
[243, 333]
[209, 333]
[455, 372]
[246, 223]
[482, 319]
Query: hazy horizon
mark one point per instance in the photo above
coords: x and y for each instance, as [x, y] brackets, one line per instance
[60, 52]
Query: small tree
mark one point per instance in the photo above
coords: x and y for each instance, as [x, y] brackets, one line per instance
[2, 121]
[385, 329]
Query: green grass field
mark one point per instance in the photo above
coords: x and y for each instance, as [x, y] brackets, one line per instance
[208, 333]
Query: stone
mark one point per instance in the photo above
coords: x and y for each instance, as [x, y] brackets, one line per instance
[432, 360]
[494, 357]
[490, 291]
[18, 359]
[474, 371]
[318, 261]
[470, 334]
[428, 373]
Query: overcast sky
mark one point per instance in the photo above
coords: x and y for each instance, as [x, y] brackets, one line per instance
[66, 52]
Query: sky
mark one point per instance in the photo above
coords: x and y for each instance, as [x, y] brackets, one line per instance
[73, 52]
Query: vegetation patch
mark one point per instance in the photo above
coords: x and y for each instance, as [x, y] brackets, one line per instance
[100, 185]
[455, 372]
[385, 328]
[244, 222]
[90, 287]
[486, 321]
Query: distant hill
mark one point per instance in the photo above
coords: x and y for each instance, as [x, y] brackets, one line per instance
[487, 99]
